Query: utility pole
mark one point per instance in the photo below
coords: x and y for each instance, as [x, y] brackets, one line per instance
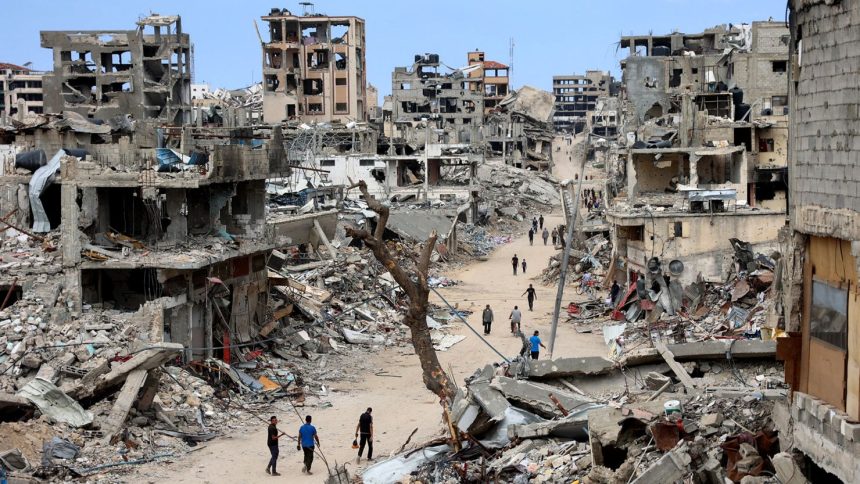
[565, 258]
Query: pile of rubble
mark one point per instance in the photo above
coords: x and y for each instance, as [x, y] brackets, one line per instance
[591, 256]
[597, 421]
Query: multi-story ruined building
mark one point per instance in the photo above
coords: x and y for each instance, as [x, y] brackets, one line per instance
[105, 73]
[424, 100]
[822, 248]
[20, 90]
[519, 130]
[313, 68]
[575, 96]
[491, 78]
[171, 221]
[698, 165]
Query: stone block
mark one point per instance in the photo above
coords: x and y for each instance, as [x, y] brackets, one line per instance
[851, 431]
[711, 420]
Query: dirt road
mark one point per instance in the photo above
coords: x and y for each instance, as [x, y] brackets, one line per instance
[400, 402]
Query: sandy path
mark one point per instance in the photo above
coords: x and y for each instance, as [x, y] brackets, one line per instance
[400, 404]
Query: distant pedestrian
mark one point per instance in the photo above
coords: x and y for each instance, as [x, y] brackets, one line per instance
[545, 235]
[530, 296]
[306, 439]
[540, 221]
[534, 224]
[536, 345]
[487, 318]
[613, 291]
[516, 317]
[364, 432]
[272, 443]
[515, 261]
[554, 236]
[524, 266]
[531, 237]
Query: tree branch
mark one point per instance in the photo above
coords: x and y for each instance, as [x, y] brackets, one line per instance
[426, 252]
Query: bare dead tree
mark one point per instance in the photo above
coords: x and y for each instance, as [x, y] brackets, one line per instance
[414, 283]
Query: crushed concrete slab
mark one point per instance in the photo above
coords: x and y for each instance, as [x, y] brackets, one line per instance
[491, 400]
[567, 367]
[153, 356]
[53, 403]
[571, 427]
[704, 350]
[535, 397]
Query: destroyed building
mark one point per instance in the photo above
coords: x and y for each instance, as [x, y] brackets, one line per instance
[100, 74]
[698, 165]
[425, 101]
[820, 251]
[20, 90]
[314, 68]
[576, 95]
[492, 79]
[173, 221]
[519, 131]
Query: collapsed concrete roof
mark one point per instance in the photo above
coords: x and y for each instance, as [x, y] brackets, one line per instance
[531, 102]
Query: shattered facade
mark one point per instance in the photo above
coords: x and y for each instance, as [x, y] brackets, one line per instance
[492, 79]
[575, 96]
[314, 68]
[20, 90]
[101, 74]
[693, 157]
[426, 103]
[519, 130]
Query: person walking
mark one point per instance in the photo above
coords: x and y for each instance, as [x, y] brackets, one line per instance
[554, 236]
[540, 221]
[516, 317]
[531, 296]
[613, 291]
[487, 318]
[545, 235]
[272, 443]
[306, 439]
[524, 266]
[534, 223]
[536, 345]
[364, 429]
[515, 261]
[531, 237]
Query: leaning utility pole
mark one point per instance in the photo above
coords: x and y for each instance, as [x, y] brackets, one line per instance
[565, 258]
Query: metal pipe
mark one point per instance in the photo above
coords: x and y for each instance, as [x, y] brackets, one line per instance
[565, 259]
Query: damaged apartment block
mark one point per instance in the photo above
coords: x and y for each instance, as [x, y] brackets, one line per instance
[426, 104]
[145, 73]
[701, 166]
[313, 68]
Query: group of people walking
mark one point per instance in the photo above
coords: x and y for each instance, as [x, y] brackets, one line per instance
[308, 441]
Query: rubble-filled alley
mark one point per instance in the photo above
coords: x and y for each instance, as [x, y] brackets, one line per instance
[646, 274]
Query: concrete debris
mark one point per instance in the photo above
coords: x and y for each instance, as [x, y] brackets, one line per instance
[55, 404]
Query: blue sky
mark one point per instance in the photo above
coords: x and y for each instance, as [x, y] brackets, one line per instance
[551, 37]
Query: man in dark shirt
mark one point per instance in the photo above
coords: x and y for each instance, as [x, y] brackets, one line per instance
[365, 430]
[531, 295]
[272, 442]
[307, 437]
[516, 262]
[613, 292]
